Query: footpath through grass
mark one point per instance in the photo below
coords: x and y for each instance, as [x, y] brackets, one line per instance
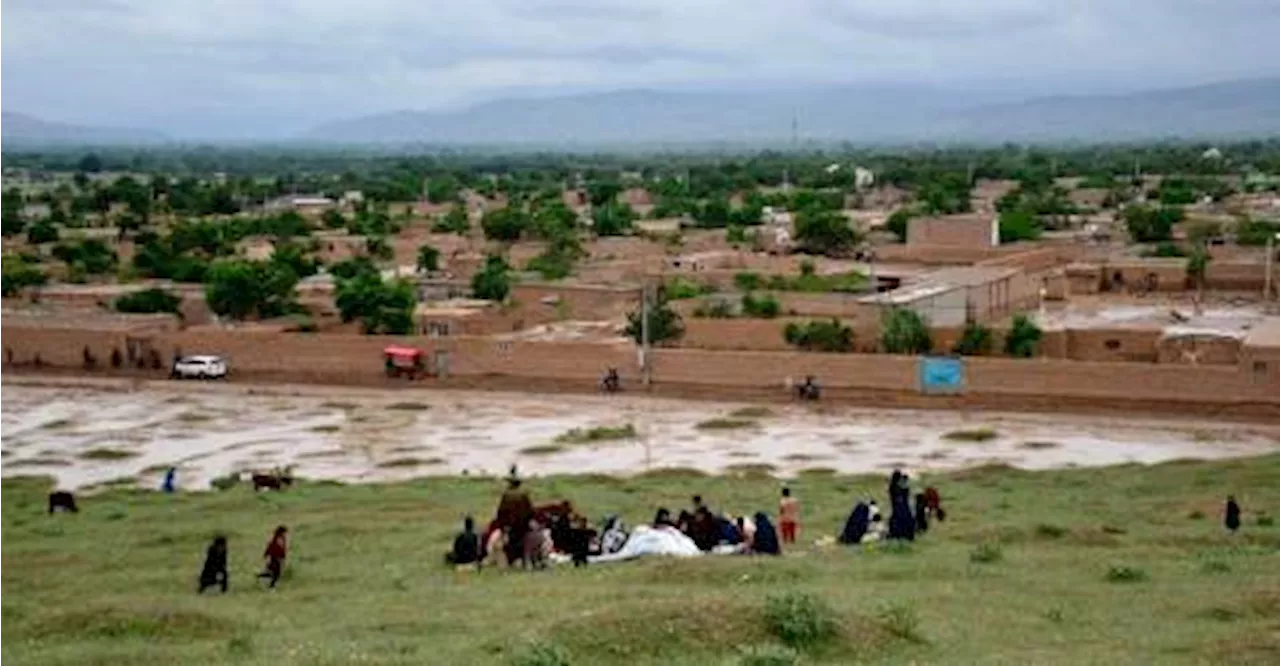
[1126, 565]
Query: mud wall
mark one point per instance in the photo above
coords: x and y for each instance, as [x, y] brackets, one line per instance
[356, 359]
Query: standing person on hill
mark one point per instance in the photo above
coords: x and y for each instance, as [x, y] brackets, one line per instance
[515, 510]
[902, 523]
[214, 572]
[170, 480]
[788, 516]
[277, 549]
[1231, 517]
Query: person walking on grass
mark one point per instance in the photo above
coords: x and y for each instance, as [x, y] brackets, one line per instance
[1231, 519]
[275, 553]
[214, 572]
[788, 516]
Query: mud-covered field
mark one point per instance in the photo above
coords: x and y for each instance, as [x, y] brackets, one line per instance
[116, 433]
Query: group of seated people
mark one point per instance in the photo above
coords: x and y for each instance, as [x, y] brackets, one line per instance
[533, 536]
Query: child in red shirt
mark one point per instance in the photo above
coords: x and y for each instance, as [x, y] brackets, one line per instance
[788, 516]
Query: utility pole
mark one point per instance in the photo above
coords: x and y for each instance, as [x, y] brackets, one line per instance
[644, 334]
[1271, 256]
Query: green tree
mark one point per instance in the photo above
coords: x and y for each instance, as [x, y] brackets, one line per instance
[333, 219]
[453, 222]
[11, 205]
[1151, 225]
[89, 256]
[557, 261]
[90, 163]
[19, 273]
[905, 331]
[493, 281]
[504, 224]
[381, 306]
[1023, 339]
[898, 222]
[825, 232]
[442, 188]
[294, 256]
[665, 324]
[1197, 266]
[42, 231]
[976, 340]
[821, 336]
[1018, 225]
[603, 192]
[428, 259]
[238, 288]
[612, 219]
[713, 214]
[379, 248]
[148, 301]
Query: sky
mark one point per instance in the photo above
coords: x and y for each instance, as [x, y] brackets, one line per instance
[274, 68]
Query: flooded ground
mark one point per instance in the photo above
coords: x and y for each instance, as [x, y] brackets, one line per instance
[97, 434]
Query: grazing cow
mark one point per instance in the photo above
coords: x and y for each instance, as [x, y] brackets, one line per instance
[62, 501]
[277, 480]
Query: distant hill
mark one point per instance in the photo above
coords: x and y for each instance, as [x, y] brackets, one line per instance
[22, 129]
[860, 114]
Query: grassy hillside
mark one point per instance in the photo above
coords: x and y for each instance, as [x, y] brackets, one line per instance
[1126, 565]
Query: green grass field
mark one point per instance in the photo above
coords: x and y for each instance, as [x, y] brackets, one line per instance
[1125, 565]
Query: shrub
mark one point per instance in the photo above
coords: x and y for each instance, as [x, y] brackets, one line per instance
[800, 620]
[597, 434]
[902, 621]
[1126, 574]
[986, 553]
[824, 336]
[1266, 521]
[763, 307]
[541, 654]
[1018, 225]
[748, 281]
[898, 222]
[768, 655]
[1215, 566]
[226, 482]
[973, 435]
[148, 301]
[680, 288]
[716, 309]
[664, 323]
[1023, 339]
[18, 273]
[905, 332]
[492, 282]
[1049, 531]
[976, 340]
[1165, 249]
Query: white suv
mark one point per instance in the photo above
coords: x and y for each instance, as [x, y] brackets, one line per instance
[199, 367]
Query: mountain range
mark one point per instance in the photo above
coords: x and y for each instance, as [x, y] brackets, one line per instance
[858, 114]
[23, 129]
[866, 114]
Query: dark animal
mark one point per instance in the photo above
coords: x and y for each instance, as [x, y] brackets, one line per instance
[275, 481]
[611, 382]
[809, 390]
[62, 501]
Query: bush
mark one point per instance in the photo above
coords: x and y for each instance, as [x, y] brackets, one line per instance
[748, 281]
[1125, 574]
[42, 231]
[905, 332]
[976, 340]
[1256, 232]
[225, 482]
[823, 336]
[541, 654]
[901, 620]
[1023, 340]
[664, 323]
[986, 553]
[716, 309]
[763, 307]
[680, 288]
[768, 655]
[898, 222]
[800, 620]
[148, 301]
[1151, 225]
[90, 256]
[19, 273]
[1165, 249]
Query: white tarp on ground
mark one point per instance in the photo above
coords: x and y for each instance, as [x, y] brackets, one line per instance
[646, 541]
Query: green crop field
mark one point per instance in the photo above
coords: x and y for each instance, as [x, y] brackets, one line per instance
[1124, 565]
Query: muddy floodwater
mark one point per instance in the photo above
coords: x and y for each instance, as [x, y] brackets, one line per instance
[90, 435]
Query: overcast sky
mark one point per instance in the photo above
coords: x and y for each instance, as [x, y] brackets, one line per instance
[255, 68]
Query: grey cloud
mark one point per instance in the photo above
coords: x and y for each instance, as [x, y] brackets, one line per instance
[246, 66]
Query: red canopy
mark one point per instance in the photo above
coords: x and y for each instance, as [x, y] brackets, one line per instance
[402, 352]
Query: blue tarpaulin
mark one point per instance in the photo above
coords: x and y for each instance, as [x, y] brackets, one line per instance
[941, 374]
